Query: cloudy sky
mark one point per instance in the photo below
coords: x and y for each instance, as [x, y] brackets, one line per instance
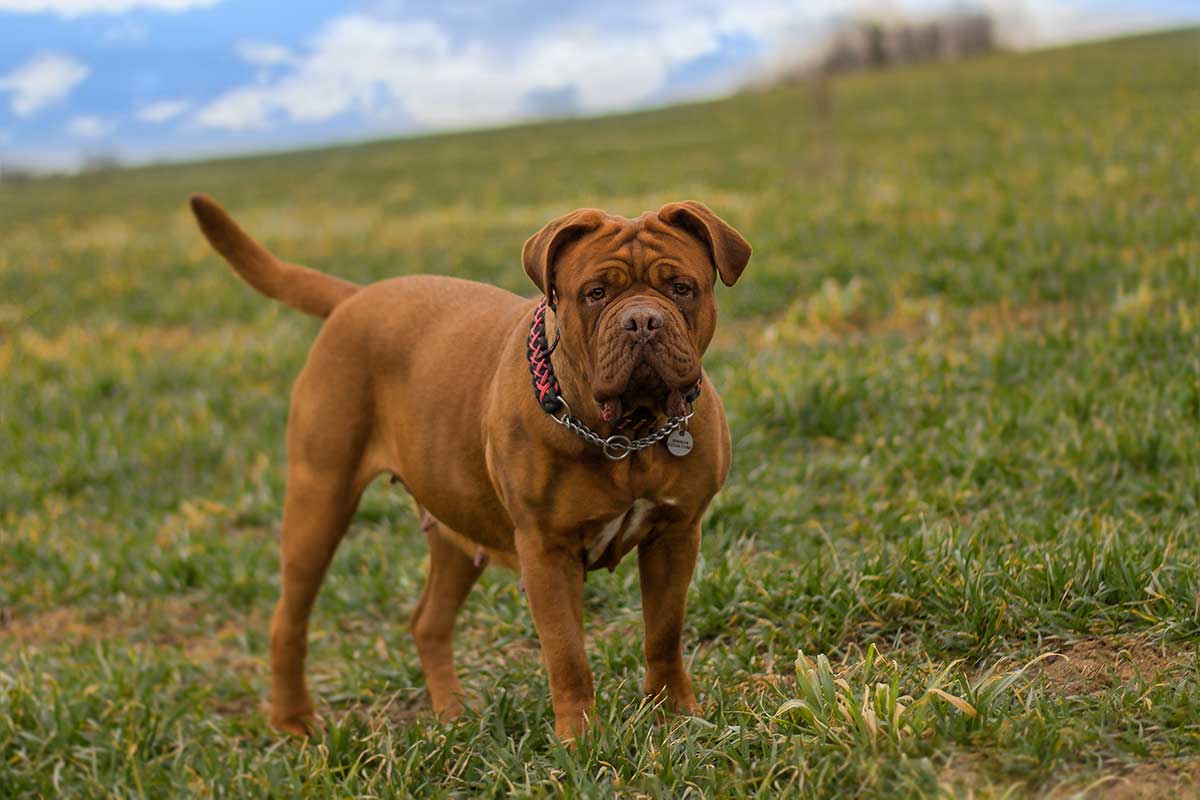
[152, 79]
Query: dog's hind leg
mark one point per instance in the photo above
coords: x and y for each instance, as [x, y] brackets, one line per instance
[316, 514]
[452, 573]
[328, 469]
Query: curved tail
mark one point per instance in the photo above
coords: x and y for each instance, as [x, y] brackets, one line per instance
[301, 288]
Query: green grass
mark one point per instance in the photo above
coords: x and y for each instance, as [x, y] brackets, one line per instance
[963, 378]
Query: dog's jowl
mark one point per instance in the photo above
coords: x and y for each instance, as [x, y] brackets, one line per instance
[552, 436]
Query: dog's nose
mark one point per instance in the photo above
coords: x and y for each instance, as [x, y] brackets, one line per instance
[641, 321]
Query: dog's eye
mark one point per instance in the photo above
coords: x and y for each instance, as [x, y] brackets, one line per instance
[596, 294]
[681, 289]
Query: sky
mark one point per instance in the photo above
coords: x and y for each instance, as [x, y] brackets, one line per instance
[149, 80]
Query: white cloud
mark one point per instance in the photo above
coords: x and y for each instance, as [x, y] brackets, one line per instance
[352, 63]
[162, 111]
[237, 110]
[264, 54]
[388, 67]
[1060, 21]
[78, 8]
[88, 126]
[43, 81]
[124, 32]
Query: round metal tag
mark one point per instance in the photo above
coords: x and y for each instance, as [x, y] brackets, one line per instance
[680, 443]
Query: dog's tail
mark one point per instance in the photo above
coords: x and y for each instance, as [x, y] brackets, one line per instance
[301, 288]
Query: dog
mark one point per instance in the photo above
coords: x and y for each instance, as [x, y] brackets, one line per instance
[552, 436]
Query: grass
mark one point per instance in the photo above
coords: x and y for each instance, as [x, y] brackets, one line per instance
[963, 378]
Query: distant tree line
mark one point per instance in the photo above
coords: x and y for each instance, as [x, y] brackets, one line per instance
[873, 44]
[11, 172]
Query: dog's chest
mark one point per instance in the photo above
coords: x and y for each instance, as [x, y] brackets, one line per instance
[626, 531]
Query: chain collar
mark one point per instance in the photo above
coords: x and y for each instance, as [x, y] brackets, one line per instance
[549, 396]
[618, 446]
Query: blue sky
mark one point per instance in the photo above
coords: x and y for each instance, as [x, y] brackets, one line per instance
[153, 79]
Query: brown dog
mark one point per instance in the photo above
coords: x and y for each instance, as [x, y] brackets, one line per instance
[428, 379]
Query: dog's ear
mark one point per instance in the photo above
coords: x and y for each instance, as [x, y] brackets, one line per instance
[540, 249]
[730, 252]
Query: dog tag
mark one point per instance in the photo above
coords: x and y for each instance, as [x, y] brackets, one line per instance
[679, 443]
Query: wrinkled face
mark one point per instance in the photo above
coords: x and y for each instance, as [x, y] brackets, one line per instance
[636, 307]
[636, 304]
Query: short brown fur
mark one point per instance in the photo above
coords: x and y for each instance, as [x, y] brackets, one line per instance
[425, 378]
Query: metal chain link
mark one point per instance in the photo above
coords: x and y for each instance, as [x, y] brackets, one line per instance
[617, 447]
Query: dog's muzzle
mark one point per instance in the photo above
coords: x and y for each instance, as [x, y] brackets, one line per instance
[643, 355]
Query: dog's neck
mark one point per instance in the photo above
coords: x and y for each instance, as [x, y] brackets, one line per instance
[572, 378]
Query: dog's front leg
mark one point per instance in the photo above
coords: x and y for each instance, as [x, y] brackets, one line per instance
[665, 566]
[553, 577]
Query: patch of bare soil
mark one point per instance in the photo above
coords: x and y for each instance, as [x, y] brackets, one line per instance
[237, 706]
[1093, 665]
[224, 647]
[56, 626]
[1149, 780]
[964, 776]
[175, 622]
[400, 710]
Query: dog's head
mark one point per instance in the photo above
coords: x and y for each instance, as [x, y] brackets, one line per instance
[635, 301]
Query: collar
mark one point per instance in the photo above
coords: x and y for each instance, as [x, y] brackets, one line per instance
[538, 351]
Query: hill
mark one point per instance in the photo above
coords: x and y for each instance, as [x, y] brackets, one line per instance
[963, 378]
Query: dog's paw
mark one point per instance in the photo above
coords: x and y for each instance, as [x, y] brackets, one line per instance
[675, 692]
[678, 704]
[449, 710]
[571, 724]
[302, 725]
[686, 705]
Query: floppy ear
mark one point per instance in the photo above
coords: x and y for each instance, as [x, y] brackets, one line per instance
[730, 252]
[541, 248]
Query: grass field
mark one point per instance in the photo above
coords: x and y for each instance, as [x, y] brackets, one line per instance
[963, 379]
